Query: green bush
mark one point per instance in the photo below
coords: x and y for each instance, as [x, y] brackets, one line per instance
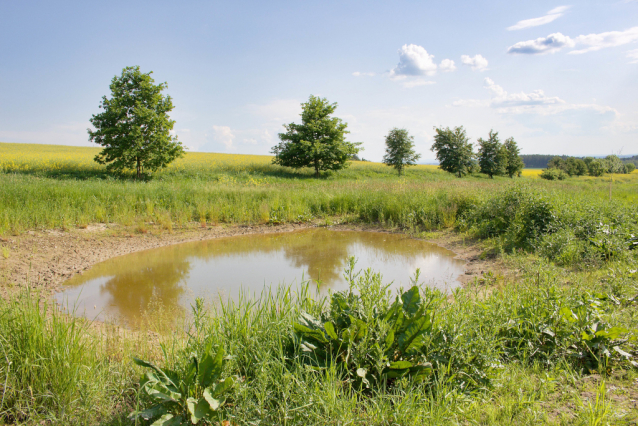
[518, 215]
[561, 247]
[553, 174]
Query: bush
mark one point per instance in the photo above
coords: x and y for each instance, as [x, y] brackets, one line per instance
[518, 215]
[374, 343]
[561, 247]
[553, 174]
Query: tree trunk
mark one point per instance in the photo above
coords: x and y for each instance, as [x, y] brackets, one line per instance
[139, 168]
[316, 168]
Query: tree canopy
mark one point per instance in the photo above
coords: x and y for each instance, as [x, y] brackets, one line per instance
[134, 128]
[514, 161]
[453, 150]
[399, 151]
[317, 142]
[492, 156]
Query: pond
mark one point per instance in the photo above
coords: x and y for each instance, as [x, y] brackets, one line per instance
[171, 277]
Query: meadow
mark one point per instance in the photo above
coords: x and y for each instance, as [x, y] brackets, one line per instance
[548, 339]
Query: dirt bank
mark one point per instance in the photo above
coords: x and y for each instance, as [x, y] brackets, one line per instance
[44, 260]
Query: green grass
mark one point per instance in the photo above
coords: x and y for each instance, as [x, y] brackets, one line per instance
[59, 369]
[543, 341]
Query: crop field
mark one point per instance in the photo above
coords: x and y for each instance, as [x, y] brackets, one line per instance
[548, 338]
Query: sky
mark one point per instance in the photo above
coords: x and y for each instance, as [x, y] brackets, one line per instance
[560, 77]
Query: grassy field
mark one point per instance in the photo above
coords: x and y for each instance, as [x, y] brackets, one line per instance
[550, 340]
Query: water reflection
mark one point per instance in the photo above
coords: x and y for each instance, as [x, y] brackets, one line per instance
[172, 276]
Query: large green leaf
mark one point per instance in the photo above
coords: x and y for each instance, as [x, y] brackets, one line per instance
[393, 374]
[389, 340]
[410, 339]
[213, 403]
[400, 365]
[149, 413]
[222, 387]
[162, 376]
[411, 300]
[198, 409]
[330, 329]
[168, 420]
[210, 368]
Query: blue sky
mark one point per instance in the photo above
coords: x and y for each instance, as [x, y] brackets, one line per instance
[560, 77]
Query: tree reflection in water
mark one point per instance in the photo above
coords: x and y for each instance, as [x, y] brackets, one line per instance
[171, 276]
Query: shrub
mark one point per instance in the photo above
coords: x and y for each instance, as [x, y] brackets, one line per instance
[373, 343]
[519, 215]
[553, 174]
[561, 247]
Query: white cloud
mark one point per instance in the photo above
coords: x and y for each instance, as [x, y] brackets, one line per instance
[552, 15]
[447, 65]
[477, 62]
[413, 61]
[607, 39]
[536, 102]
[416, 83]
[633, 56]
[363, 74]
[591, 42]
[550, 44]
[224, 135]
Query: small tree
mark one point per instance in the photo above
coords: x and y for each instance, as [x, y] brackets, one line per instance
[630, 167]
[515, 163]
[453, 150]
[614, 164]
[581, 167]
[399, 150]
[491, 157]
[317, 142]
[135, 127]
[596, 168]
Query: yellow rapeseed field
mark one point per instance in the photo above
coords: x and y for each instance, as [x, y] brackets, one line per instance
[18, 157]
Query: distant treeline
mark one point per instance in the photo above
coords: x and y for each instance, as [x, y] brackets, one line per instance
[538, 161]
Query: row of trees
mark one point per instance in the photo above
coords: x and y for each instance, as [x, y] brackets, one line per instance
[318, 142]
[135, 131]
[560, 168]
[456, 155]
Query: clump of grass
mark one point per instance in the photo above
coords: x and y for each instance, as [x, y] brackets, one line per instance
[5, 252]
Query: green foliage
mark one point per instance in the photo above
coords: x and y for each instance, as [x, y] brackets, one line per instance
[492, 157]
[374, 343]
[453, 151]
[630, 167]
[613, 164]
[514, 161]
[317, 142]
[399, 151]
[186, 396]
[553, 174]
[518, 215]
[53, 369]
[596, 168]
[135, 127]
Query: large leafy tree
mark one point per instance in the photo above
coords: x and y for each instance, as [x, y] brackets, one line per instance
[317, 142]
[399, 150]
[453, 150]
[492, 157]
[514, 161]
[134, 128]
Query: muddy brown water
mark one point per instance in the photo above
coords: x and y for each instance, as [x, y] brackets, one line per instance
[170, 278]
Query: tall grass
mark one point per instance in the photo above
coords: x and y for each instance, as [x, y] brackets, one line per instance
[56, 368]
